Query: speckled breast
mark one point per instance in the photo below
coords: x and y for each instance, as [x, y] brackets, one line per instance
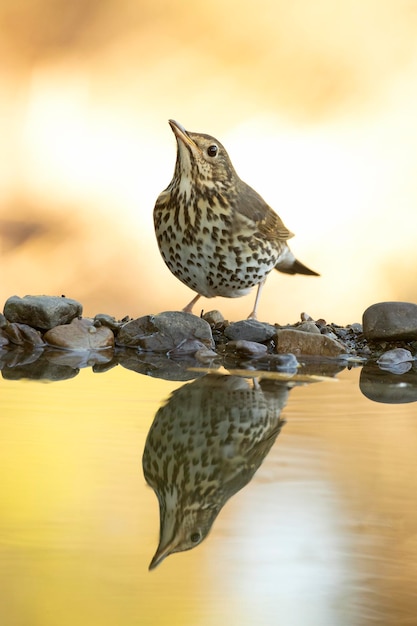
[211, 249]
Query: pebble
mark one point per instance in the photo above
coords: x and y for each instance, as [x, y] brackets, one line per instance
[308, 327]
[247, 348]
[102, 319]
[395, 356]
[214, 318]
[390, 321]
[42, 312]
[250, 330]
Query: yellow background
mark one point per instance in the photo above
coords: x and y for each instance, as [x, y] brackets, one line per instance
[315, 102]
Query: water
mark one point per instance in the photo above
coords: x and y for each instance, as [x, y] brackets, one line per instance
[325, 533]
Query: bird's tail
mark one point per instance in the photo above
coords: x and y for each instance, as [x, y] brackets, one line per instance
[288, 264]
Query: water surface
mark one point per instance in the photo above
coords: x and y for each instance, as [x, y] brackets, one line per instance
[325, 533]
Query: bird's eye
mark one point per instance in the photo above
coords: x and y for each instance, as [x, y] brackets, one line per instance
[195, 537]
[212, 150]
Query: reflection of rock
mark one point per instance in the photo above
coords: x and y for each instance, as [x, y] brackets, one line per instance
[50, 364]
[386, 386]
[159, 365]
[39, 368]
[204, 445]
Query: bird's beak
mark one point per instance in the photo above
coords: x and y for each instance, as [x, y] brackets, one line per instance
[162, 552]
[182, 135]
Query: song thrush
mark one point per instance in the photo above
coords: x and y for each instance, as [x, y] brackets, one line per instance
[204, 445]
[215, 233]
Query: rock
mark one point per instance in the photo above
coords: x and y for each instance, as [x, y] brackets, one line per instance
[102, 319]
[205, 355]
[250, 330]
[308, 327]
[395, 356]
[81, 334]
[42, 312]
[22, 334]
[173, 332]
[299, 342]
[214, 318]
[390, 321]
[247, 348]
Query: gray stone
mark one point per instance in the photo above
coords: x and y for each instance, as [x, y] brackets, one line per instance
[250, 330]
[42, 312]
[22, 334]
[173, 332]
[81, 334]
[247, 348]
[102, 319]
[299, 342]
[308, 327]
[390, 321]
[214, 317]
[395, 356]
[356, 327]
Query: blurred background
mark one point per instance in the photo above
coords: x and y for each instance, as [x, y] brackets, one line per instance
[315, 102]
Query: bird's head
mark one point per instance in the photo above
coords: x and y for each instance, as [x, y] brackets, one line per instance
[201, 158]
[182, 529]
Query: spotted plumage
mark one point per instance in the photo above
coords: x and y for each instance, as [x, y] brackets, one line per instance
[204, 445]
[215, 233]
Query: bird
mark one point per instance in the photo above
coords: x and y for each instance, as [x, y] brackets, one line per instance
[204, 445]
[215, 233]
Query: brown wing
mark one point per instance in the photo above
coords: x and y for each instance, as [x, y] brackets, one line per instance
[250, 204]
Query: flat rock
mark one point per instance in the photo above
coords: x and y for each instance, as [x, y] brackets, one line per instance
[22, 334]
[80, 334]
[390, 321]
[250, 330]
[42, 312]
[300, 342]
[173, 332]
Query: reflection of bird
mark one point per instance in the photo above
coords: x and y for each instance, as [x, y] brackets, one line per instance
[215, 233]
[204, 445]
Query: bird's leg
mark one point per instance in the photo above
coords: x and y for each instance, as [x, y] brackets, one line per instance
[189, 307]
[253, 316]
